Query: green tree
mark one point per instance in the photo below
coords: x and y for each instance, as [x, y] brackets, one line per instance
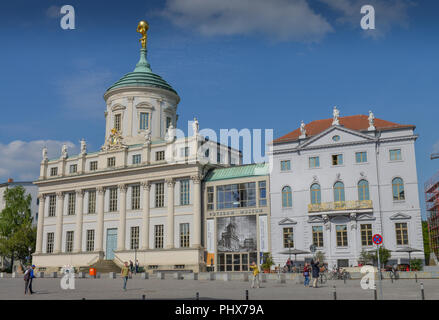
[16, 232]
[385, 255]
[366, 257]
[426, 236]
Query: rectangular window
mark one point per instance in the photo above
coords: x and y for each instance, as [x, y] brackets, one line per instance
[285, 165]
[342, 235]
[159, 195]
[395, 154]
[184, 235]
[93, 165]
[240, 195]
[111, 162]
[71, 204]
[184, 192]
[135, 197]
[159, 156]
[113, 200]
[158, 236]
[73, 168]
[69, 241]
[92, 201]
[314, 162]
[117, 122]
[137, 159]
[144, 120]
[337, 159]
[134, 243]
[50, 239]
[366, 234]
[288, 237]
[52, 205]
[262, 193]
[361, 157]
[317, 236]
[210, 197]
[402, 238]
[90, 240]
[54, 171]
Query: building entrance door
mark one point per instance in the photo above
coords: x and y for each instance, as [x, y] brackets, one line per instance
[111, 244]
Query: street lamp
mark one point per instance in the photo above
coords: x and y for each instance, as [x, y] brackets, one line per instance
[29, 256]
[290, 239]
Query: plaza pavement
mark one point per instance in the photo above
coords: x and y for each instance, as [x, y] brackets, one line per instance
[106, 288]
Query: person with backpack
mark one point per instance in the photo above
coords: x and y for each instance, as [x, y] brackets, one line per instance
[306, 270]
[28, 276]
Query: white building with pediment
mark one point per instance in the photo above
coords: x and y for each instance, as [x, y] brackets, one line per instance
[336, 182]
[139, 196]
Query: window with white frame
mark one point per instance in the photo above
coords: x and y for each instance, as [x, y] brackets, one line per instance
[314, 162]
[52, 205]
[262, 185]
[92, 201]
[360, 157]
[285, 165]
[159, 195]
[288, 237]
[210, 198]
[184, 192]
[90, 240]
[113, 199]
[69, 241]
[117, 122]
[342, 235]
[134, 243]
[135, 197]
[111, 162]
[401, 230]
[93, 165]
[184, 235]
[73, 168]
[158, 236]
[159, 156]
[366, 234]
[144, 120]
[50, 242]
[71, 203]
[395, 154]
[53, 171]
[337, 159]
[137, 158]
[317, 236]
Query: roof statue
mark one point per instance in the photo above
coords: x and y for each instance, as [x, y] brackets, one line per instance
[335, 114]
[147, 137]
[170, 134]
[83, 147]
[45, 153]
[195, 126]
[371, 119]
[302, 129]
[142, 27]
[64, 151]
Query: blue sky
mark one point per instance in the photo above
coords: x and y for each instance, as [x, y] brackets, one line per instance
[228, 60]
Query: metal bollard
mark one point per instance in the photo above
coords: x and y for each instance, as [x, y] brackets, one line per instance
[197, 296]
[375, 296]
[246, 294]
[416, 277]
[143, 297]
[335, 293]
[344, 279]
[422, 292]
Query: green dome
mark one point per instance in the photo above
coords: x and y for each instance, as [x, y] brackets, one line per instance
[142, 76]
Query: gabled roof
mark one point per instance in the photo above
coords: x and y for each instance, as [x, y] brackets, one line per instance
[250, 170]
[357, 122]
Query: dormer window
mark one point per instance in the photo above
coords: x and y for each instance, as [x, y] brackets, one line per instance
[144, 121]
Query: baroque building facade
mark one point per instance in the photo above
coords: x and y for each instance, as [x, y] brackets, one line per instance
[139, 196]
[337, 182]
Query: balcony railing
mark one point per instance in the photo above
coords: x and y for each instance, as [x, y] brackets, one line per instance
[340, 206]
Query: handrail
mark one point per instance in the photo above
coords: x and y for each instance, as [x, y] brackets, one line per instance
[93, 260]
[118, 259]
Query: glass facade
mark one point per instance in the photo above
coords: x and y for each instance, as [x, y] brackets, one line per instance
[240, 195]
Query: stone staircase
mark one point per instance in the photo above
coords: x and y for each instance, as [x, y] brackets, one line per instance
[102, 266]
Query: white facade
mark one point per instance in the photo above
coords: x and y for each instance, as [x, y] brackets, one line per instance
[379, 209]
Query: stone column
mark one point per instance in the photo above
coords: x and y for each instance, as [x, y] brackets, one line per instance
[40, 227]
[122, 217]
[100, 220]
[170, 220]
[196, 225]
[59, 221]
[129, 114]
[145, 215]
[79, 216]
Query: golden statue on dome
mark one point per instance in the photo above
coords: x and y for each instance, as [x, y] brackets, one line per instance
[142, 27]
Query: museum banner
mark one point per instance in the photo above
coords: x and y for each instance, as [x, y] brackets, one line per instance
[263, 233]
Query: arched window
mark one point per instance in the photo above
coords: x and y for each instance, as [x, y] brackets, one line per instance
[398, 189]
[338, 191]
[315, 194]
[363, 190]
[287, 201]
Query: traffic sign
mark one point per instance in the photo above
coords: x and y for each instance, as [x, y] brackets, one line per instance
[377, 239]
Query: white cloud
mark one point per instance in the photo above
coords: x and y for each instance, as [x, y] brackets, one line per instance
[277, 19]
[83, 91]
[20, 160]
[388, 14]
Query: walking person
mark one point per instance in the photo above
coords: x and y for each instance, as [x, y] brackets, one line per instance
[28, 276]
[125, 273]
[289, 264]
[137, 266]
[315, 265]
[255, 279]
[306, 270]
